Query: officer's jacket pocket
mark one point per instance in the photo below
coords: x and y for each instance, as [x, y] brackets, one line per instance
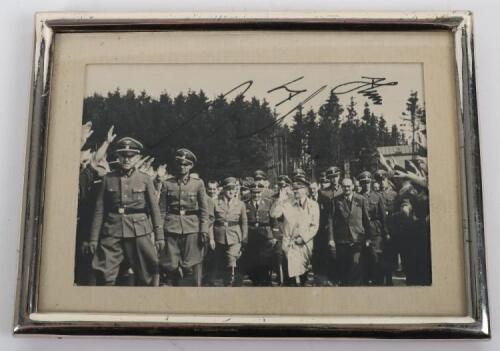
[192, 201]
[138, 192]
[142, 225]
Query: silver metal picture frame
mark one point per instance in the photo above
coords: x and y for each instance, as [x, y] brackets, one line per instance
[28, 318]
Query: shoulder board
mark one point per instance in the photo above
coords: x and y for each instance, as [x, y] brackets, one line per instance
[142, 171]
[194, 176]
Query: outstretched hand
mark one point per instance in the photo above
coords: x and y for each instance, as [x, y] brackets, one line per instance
[111, 136]
[86, 133]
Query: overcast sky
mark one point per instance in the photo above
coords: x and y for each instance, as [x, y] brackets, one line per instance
[215, 79]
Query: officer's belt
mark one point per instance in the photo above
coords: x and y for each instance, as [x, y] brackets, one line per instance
[258, 224]
[127, 210]
[224, 223]
[183, 212]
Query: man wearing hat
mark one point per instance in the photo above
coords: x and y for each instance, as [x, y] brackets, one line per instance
[324, 182]
[183, 205]
[333, 175]
[390, 250]
[260, 253]
[246, 184]
[260, 178]
[351, 228]
[121, 229]
[300, 225]
[285, 191]
[230, 230]
[379, 236]
[323, 261]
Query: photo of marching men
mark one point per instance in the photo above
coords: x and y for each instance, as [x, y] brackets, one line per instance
[270, 180]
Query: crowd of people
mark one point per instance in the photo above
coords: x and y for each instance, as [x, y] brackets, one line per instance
[141, 225]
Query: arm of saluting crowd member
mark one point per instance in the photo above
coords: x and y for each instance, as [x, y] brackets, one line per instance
[244, 222]
[101, 153]
[203, 206]
[103, 149]
[277, 208]
[155, 209]
[313, 221]
[422, 181]
[98, 212]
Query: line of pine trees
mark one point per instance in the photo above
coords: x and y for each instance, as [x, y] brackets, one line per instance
[233, 138]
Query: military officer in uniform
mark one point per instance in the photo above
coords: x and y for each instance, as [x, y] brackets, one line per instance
[183, 205]
[121, 229]
[324, 257]
[261, 250]
[284, 188]
[390, 256]
[376, 242]
[333, 175]
[260, 177]
[230, 230]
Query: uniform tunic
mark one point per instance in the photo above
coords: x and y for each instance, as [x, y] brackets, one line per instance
[184, 209]
[125, 200]
[377, 215]
[230, 228]
[261, 248]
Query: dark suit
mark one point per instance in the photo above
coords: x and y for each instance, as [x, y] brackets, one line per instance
[351, 227]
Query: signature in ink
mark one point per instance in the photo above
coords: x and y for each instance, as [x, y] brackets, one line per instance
[291, 92]
[367, 88]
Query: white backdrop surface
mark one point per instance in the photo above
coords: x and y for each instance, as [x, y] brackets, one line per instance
[16, 38]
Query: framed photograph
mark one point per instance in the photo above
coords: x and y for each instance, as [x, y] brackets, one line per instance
[253, 175]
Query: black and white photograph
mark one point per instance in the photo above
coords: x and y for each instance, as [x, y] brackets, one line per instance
[253, 175]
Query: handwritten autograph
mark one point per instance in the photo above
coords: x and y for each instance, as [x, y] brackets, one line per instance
[367, 86]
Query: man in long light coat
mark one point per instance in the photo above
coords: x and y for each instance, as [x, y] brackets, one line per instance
[300, 225]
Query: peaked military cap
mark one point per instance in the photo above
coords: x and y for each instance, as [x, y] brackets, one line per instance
[259, 174]
[230, 182]
[300, 182]
[380, 174]
[256, 188]
[299, 172]
[323, 178]
[365, 177]
[284, 179]
[185, 155]
[128, 144]
[332, 171]
[247, 183]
